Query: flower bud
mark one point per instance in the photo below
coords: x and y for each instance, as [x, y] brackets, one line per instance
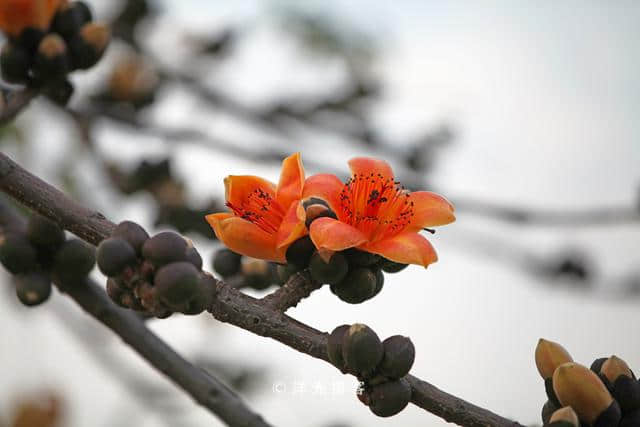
[70, 18]
[359, 258]
[14, 63]
[596, 366]
[205, 294]
[17, 255]
[316, 211]
[257, 273]
[29, 39]
[399, 354]
[362, 350]
[89, 45]
[226, 262]
[564, 417]
[550, 355]
[33, 288]
[613, 367]
[165, 248]
[299, 252]
[388, 399]
[334, 346]
[51, 61]
[389, 266]
[330, 272]
[359, 285]
[113, 255]
[580, 388]
[193, 256]
[73, 262]
[133, 233]
[176, 284]
[44, 234]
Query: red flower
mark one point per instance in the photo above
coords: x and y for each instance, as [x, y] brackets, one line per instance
[376, 214]
[16, 15]
[264, 219]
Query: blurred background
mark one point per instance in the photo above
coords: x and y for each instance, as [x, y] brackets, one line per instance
[523, 114]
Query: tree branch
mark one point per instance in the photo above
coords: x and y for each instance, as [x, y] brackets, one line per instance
[230, 306]
[202, 387]
[12, 102]
[298, 287]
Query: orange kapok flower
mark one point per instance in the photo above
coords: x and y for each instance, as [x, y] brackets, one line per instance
[264, 219]
[16, 15]
[376, 214]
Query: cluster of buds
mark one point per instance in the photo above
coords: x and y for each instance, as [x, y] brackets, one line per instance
[380, 366]
[158, 275]
[40, 253]
[353, 275]
[606, 395]
[48, 40]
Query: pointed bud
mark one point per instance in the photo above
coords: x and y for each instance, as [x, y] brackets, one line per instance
[89, 45]
[566, 415]
[580, 388]
[550, 355]
[613, 367]
[51, 60]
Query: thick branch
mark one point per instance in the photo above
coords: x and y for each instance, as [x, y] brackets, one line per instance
[12, 102]
[298, 287]
[231, 306]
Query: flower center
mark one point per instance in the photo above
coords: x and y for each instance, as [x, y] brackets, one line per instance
[261, 209]
[379, 207]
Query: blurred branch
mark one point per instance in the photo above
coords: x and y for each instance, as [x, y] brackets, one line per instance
[13, 101]
[229, 306]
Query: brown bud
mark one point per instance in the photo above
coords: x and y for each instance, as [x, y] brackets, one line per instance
[613, 367]
[580, 388]
[566, 414]
[550, 355]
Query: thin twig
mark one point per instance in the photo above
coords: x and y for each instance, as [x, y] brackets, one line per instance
[230, 306]
[298, 287]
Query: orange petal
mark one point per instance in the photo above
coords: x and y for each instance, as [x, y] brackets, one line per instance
[367, 166]
[292, 226]
[328, 233]
[291, 180]
[405, 248]
[244, 237]
[430, 209]
[15, 15]
[238, 187]
[324, 186]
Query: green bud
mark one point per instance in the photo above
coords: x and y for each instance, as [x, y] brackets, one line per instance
[33, 288]
[177, 284]
[359, 285]
[388, 399]
[226, 262]
[114, 255]
[399, 354]
[17, 254]
[362, 350]
[332, 272]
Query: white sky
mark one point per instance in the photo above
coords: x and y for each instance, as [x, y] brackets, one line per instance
[546, 99]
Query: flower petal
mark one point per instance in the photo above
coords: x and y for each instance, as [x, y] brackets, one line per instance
[367, 166]
[292, 226]
[324, 186]
[328, 233]
[405, 248]
[238, 187]
[244, 237]
[15, 15]
[430, 209]
[291, 180]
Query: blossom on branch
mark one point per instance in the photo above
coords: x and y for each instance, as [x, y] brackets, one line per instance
[376, 214]
[265, 218]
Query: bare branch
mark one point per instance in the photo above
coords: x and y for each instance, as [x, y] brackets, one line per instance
[230, 306]
[298, 287]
